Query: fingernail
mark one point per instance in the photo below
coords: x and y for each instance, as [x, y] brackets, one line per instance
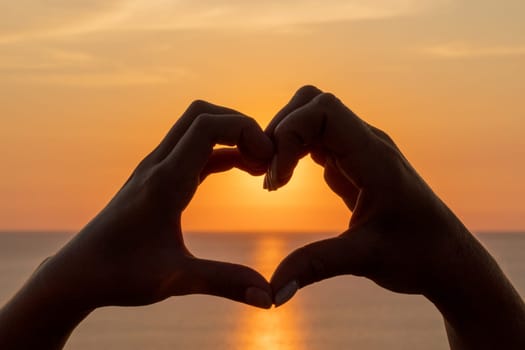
[270, 181]
[272, 172]
[286, 293]
[258, 297]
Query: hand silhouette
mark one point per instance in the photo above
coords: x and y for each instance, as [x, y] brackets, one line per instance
[396, 217]
[401, 235]
[133, 252]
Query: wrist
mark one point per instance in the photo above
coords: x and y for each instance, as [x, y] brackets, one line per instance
[457, 258]
[479, 304]
[43, 309]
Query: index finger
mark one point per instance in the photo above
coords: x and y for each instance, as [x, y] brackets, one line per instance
[178, 130]
[327, 123]
[304, 95]
[190, 156]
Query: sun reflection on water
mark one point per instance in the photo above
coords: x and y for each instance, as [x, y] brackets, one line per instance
[269, 329]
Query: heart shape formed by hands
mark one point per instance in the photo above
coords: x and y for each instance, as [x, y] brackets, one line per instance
[400, 234]
[133, 252]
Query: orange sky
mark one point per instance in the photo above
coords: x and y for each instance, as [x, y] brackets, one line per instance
[87, 88]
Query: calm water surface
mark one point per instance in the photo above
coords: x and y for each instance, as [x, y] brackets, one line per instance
[344, 312]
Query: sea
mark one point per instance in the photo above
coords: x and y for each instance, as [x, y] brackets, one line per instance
[341, 313]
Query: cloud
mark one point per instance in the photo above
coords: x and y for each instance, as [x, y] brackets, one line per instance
[62, 66]
[59, 18]
[70, 42]
[23, 19]
[43, 59]
[463, 50]
[124, 77]
[268, 14]
[119, 76]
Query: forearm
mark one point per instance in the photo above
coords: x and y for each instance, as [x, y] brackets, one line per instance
[481, 308]
[40, 316]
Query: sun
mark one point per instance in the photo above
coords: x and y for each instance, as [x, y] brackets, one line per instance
[236, 201]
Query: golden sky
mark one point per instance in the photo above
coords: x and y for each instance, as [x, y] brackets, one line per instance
[87, 88]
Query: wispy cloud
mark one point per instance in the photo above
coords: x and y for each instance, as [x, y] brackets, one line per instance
[111, 78]
[119, 78]
[67, 42]
[30, 19]
[271, 13]
[43, 59]
[463, 50]
[57, 66]
[69, 18]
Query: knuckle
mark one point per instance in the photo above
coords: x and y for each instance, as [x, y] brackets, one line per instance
[392, 155]
[308, 91]
[198, 107]
[249, 121]
[394, 162]
[250, 126]
[202, 122]
[384, 136]
[328, 100]
[145, 163]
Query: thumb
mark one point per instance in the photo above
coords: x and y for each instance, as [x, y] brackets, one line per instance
[232, 281]
[345, 254]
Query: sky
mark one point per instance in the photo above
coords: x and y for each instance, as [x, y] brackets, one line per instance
[88, 88]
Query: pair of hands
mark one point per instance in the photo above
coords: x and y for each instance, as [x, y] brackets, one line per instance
[133, 252]
[400, 234]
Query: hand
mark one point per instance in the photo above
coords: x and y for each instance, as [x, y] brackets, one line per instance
[400, 235]
[397, 220]
[133, 252]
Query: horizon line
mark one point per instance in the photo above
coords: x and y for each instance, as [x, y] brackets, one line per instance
[239, 232]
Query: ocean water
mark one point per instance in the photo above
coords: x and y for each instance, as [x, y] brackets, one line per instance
[343, 312]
